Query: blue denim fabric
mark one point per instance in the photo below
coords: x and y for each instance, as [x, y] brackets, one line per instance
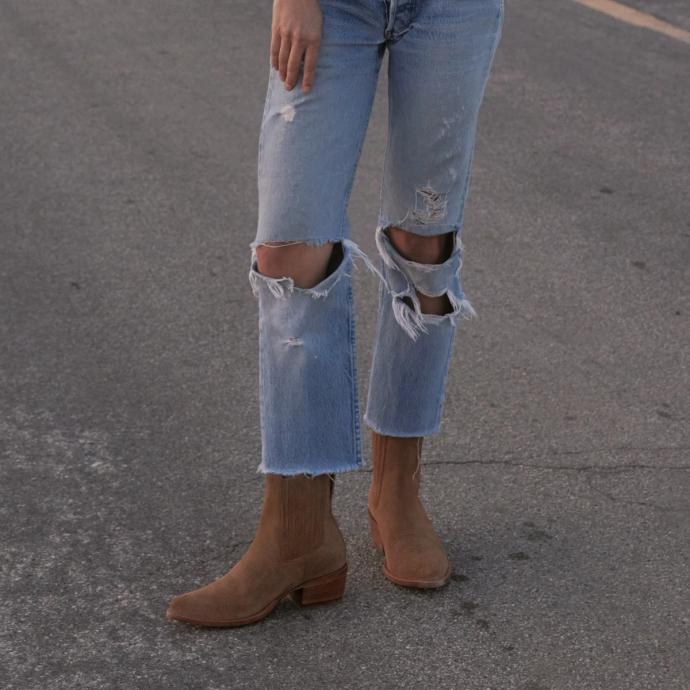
[440, 54]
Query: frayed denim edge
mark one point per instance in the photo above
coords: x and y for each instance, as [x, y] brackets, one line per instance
[408, 434]
[412, 320]
[335, 468]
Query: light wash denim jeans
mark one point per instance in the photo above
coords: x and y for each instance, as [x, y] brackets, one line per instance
[439, 60]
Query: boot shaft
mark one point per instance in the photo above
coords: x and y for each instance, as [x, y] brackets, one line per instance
[396, 467]
[296, 511]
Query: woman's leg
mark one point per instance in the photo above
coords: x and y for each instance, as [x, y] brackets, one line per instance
[439, 63]
[301, 261]
[309, 147]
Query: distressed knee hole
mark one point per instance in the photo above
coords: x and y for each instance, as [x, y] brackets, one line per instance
[307, 265]
[337, 256]
[439, 306]
[285, 267]
[423, 249]
[423, 293]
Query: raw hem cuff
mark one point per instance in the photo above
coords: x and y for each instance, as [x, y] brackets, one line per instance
[405, 434]
[329, 468]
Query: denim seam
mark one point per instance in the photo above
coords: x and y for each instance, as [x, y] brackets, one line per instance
[351, 326]
[379, 312]
[386, 155]
[441, 395]
[262, 390]
[354, 391]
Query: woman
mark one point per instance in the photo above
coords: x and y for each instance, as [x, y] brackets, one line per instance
[439, 57]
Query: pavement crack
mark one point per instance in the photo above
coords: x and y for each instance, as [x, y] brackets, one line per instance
[621, 467]
[573, 468]
[624, 501]
[615, 449]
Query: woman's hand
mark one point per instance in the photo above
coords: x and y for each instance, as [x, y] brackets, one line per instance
[296, 33]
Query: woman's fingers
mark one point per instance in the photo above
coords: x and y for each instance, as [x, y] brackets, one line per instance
[283, 55]
[310, 65]
[301, 50]
[275, 47]
[295, 38]
[296, 52]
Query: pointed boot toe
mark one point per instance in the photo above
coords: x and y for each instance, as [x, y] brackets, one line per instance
[186, 607]
[181, 608]
[297, 550]
[198, 607]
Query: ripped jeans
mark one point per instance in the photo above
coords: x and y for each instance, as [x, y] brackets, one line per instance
[440, 54]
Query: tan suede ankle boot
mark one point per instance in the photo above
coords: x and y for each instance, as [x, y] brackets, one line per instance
[414, 555]
[297, 550]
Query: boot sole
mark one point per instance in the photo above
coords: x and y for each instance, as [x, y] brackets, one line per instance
[320, 590]
[403, 582]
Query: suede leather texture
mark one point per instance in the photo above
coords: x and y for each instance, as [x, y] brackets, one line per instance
[297, 540]
[413, 552]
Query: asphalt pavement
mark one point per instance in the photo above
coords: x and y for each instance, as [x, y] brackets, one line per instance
[129, 441]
